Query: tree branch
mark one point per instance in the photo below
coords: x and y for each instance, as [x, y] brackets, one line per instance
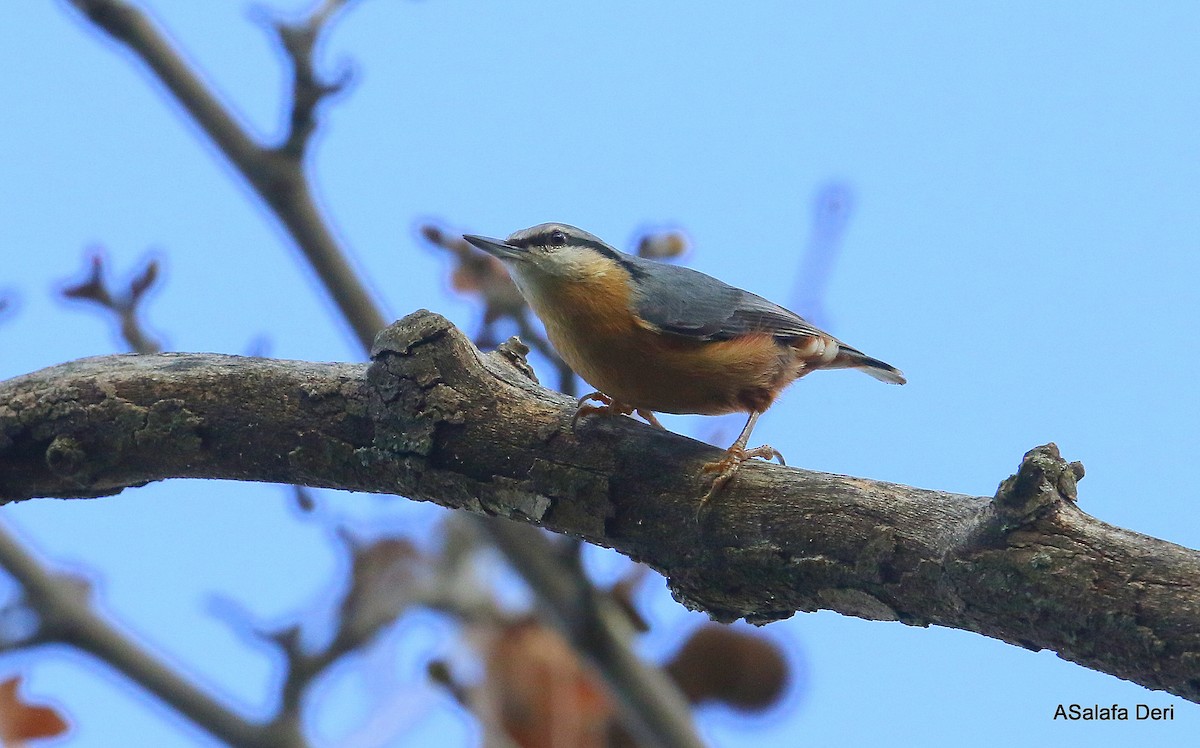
[434, 419]
[276, 174]
[66, 615]
[299, 41]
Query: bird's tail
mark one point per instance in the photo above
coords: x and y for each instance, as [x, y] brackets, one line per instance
[852, 358]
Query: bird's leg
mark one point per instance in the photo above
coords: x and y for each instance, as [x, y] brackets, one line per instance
[610, 407]
[727, 467]
[650, 419]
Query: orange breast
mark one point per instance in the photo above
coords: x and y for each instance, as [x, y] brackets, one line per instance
[595, 332]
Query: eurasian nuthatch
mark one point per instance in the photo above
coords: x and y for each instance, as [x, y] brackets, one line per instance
[657, 337]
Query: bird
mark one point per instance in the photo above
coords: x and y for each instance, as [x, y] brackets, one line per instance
[654, 337]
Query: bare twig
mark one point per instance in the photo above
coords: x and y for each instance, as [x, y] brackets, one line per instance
[276, 174]
[299, 41]
[8, 302]
[66, 616]
[478, 273]
[832, 207]
[124, 304]
[388, 576]
[383, 583]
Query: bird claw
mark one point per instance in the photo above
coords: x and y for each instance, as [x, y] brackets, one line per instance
[611, 407]
[735, 456]
[727, 467]
[606, 407]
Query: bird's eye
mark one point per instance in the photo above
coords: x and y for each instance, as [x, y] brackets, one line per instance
[558, 239]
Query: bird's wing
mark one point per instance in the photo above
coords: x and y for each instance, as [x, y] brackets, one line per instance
[689, 303]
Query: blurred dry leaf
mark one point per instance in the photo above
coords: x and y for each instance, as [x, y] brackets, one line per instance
[381, 577]
[540, 692]
[663, 245]
[478, 273]
[719, 663]
[21, 722]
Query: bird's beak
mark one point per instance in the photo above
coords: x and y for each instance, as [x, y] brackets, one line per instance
[496, 247]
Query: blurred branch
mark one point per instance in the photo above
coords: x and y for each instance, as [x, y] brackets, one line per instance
[387, 577]
[478, 273]
[60, 603]
[65, 615]
[596, 626]
[277, 175]
[7, 302]
[832, 207]
[125, 305]
[434, 419]
[308, 89]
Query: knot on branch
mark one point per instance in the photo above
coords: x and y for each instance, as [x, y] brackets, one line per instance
[434, 396]
[402, 336]
[1043, 480]
[66, 456]
[514, 351]
[507, 363]
[414, 397]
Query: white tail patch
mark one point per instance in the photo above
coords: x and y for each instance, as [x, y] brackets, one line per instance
[889, 375]
[852, 358]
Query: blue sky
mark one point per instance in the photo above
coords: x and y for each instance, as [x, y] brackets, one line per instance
[1023, 244]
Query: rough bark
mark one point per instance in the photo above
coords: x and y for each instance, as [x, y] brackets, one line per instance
[433, 419]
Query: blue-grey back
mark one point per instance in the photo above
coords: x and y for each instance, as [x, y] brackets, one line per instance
[690, 303]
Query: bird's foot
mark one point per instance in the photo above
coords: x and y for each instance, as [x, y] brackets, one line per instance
[727, 467]
[610, 407]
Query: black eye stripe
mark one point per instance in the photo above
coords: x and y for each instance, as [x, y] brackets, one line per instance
[552, 238]
[544, 239]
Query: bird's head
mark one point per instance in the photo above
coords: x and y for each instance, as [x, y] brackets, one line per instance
[552, 253]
